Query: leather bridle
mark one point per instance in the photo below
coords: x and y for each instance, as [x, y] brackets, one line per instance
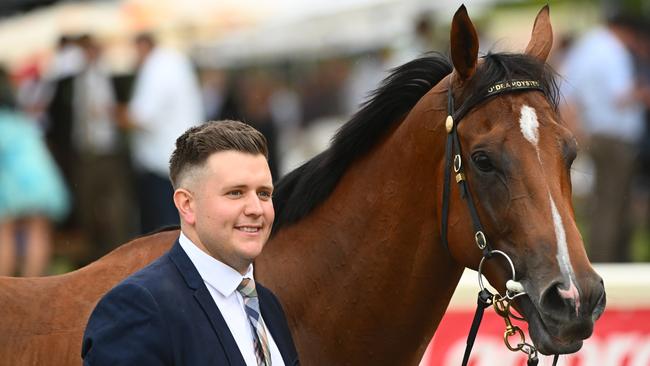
[453, 160]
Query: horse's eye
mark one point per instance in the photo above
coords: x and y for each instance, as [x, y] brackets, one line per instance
[482, 162]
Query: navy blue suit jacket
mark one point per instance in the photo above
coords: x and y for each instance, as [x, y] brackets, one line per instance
[165, 315]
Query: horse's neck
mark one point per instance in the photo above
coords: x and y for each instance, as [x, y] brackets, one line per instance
[74, 294]
[363, 278]
[133, 256]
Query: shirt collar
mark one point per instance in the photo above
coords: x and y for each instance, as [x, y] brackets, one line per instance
[219, 275]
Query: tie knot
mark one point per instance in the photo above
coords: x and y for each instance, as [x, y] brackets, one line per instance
[247, 288]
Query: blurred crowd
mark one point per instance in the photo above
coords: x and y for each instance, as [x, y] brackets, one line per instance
[89, 154]
[606, 87]
[87, 151]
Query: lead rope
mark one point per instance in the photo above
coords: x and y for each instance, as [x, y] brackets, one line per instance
[485, 297]
[484, 300]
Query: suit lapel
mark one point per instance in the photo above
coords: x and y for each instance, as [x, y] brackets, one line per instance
[275, 326]
[203, 297]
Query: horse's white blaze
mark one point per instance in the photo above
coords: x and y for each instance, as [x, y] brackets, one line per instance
[530, 129]
[563, 257]
[529, 125]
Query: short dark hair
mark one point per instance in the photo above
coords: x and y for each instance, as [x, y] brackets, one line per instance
[194, 147]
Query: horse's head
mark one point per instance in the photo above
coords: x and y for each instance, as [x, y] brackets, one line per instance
[516, 156]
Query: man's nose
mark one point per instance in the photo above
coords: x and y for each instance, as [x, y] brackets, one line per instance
[253, 206]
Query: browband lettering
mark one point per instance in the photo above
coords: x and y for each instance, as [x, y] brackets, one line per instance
[513, 85]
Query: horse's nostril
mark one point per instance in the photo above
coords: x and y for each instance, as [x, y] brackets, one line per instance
[599, 307]
[558, 302]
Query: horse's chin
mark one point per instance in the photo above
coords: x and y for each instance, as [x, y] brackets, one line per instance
[546, 341]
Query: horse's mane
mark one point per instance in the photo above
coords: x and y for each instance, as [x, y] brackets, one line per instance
[303, 189]
[300, 191]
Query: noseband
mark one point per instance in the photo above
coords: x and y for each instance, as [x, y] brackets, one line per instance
[453, 159]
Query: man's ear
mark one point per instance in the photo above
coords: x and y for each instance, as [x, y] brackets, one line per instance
[184, 201]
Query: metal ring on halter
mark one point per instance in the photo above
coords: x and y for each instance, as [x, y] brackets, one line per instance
[458, 163]
[512, 268]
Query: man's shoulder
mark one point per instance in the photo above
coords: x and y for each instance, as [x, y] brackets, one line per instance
[153, 277]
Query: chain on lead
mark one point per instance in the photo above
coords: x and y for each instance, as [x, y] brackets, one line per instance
[502, 307]
[531, 351]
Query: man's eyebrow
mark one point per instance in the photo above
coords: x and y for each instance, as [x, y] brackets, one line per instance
[244, 186]
[267, 187]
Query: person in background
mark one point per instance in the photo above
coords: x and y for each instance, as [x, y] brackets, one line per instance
[166, 100]
[59, 76]
[256, 92]
[602, 92]
[32, 192]
[101, 170]
[199, 303]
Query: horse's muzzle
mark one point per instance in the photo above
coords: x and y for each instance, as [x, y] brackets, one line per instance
[564, 315]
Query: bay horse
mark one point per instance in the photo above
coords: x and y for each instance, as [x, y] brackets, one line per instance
[357, 254]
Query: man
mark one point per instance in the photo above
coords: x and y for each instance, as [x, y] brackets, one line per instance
[101, 172]
[602, 86]
[166, 101]
[196, 304]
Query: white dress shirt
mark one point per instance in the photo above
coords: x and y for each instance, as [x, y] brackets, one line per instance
[222, 281]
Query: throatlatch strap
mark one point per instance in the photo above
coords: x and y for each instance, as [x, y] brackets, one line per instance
[445, 192]
[446, 189]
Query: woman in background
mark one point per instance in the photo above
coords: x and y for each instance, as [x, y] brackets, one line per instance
[32, 192]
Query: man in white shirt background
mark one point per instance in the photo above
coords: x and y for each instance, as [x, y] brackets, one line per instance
[166, 100]
[602, 87]
[198, 304]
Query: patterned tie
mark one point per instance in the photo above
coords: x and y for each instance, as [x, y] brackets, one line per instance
[252, 306]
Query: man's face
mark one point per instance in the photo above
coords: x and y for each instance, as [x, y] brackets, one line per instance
[142, 49]
[232, 206]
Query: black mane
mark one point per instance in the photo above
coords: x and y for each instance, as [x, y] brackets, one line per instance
[300, 191]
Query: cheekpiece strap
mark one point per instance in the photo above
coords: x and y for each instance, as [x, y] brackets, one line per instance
[453, 156]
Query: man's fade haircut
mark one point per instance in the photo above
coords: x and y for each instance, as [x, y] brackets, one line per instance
[194, 147]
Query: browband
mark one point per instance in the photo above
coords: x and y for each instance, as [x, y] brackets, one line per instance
[492, 90]
[512, 85]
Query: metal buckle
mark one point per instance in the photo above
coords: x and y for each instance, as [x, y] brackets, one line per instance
[458, 163]
[481, 240]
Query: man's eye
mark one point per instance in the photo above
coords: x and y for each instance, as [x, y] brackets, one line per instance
[265, 195]
[234, 193]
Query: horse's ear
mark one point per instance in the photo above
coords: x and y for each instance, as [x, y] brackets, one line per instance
[541, 39]
[464, 44]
